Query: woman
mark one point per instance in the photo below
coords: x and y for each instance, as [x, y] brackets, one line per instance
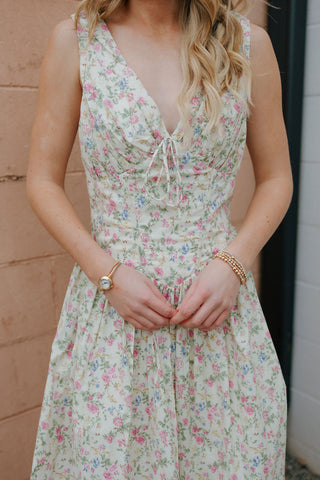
[162, 366]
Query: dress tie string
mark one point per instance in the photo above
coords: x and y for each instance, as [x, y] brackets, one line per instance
[166, 151]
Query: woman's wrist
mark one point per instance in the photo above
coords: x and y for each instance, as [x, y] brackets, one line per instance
[97, 264]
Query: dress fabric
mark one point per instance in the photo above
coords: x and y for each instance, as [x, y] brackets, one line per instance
[121, 403]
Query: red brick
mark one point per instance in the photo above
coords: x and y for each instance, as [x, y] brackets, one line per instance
[17, 439]
[22, 234]
[25, 37]
[24, 368]
[26, 299]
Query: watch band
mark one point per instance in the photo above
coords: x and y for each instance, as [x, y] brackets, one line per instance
[107, 278]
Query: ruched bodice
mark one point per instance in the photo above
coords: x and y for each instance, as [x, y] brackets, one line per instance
[171, 202]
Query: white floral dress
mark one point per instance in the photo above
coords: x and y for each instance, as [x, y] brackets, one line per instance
[121, 403]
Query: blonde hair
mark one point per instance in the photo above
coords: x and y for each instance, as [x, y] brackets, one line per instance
[211, 55]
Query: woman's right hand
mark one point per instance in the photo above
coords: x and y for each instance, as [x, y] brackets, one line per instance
[138, 301]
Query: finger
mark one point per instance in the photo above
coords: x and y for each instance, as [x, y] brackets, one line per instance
[214, 320]
[142, 323]
[199, 317]
[163, 308]
[186, 309]
[161, 296]
[155, 318]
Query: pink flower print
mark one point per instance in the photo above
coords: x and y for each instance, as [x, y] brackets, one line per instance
[200, 358]
[234, 477]
[109, 438]
[134, 119]
[97, 47]
[185, 421]
[89, 87]
[60, 438]
[143, 261]
[157, 135]
[159, 271]
[265, 414]
[190, 332]
[209, 382]
[77, 385]
[102, 305]
[110, 169]
[45, 425]
[98, 171]
[129, 263]
[199, 439]
[195, 101]
[106, 378]
[90, 293]
[237, 107]
[248, 409]
[92, 408]
[213, 469]
[140, 439]
[149, 360]
[179, 280]
[112, 205]
[69, 307]
[117, 421]
[141, 101]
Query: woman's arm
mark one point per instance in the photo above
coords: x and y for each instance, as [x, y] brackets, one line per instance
[134, 295]
[53, 134]
[214, 291]
[268, 147]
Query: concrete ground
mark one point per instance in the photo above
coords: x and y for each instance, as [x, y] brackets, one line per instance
[297, 471]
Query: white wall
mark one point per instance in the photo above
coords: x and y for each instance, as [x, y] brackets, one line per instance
[304, 411]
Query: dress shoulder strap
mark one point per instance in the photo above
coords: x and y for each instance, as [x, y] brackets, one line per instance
[83, 41]
[245, 23]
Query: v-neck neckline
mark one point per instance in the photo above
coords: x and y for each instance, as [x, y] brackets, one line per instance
[151, 99]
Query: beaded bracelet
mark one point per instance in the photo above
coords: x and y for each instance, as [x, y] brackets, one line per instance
[235, 264]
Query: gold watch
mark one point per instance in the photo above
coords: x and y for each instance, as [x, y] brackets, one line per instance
[105, 282]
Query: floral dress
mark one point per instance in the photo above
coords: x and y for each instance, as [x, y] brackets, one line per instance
[122, 403]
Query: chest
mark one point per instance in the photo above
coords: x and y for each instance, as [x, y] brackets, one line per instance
[157, 66]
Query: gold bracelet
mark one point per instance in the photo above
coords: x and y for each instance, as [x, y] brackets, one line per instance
[235, 264]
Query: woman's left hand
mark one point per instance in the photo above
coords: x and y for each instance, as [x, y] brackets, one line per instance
[210, 298]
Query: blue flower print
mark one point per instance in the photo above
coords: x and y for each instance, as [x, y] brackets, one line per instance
[89, 143]
[95, 365]
[123, 83]
[262, 357]
[185, 248]
[141, 201]
[246, 368]
[256, 460]
[124, 214]
[185, 158]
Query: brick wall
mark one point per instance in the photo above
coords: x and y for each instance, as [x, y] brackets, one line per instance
[34, 270]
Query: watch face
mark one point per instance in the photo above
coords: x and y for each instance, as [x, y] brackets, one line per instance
[105, 283]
